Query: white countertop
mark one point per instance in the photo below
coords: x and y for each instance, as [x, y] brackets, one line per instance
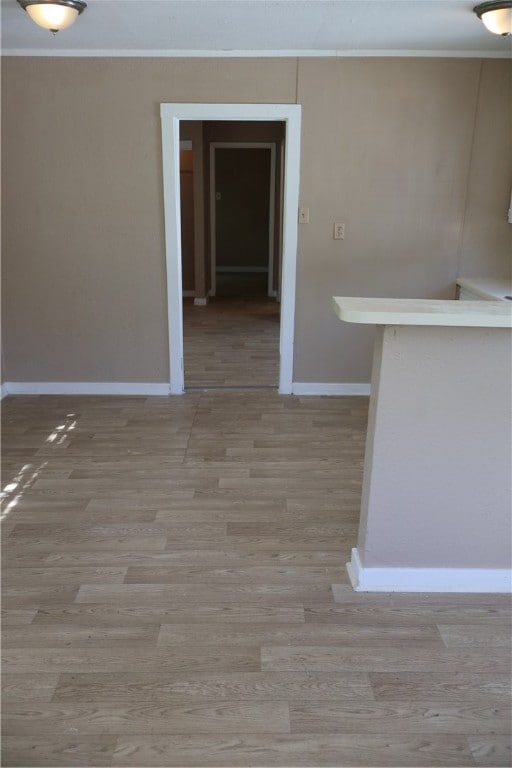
[373, 311]
[487, 287]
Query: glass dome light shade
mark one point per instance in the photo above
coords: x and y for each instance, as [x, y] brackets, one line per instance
[52, 16]
[499, 21]
[496, 16]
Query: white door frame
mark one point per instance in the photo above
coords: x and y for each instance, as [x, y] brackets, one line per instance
[171, 114]
[214, 145]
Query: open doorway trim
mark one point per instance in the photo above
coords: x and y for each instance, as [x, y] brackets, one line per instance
[271, 146]
[171, 114]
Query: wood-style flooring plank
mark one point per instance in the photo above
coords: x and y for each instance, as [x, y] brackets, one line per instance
[329, 658]
[30, 596]
[85, 516]
[94, 539]
[105, 614]
[39, 686]
[457, 686]
[302, 635]
[62, 575]
[102, 719]
[399, 718]
[307, 750]
[495, 636]
[188, 687]
[72, 636]
[56, 751]
[125, 659]
[208, 557]
[491, 750]
[296, 539]
[185, 594]
[255, 574]
[409, 609]
[14, 617]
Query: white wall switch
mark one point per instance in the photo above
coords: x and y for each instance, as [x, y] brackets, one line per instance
[303, 215]
[339, 232]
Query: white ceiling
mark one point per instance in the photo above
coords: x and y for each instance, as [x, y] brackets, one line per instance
[259, 28]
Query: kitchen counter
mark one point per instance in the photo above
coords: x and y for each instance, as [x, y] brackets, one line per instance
[493, 288]
[376, 311]
[435, 503]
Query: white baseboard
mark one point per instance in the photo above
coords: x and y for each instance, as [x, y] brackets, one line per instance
[239, 270]
[126, 388]
[316, 388]
[83, 388]
[427, 579]
[201, 302]
[3, 391]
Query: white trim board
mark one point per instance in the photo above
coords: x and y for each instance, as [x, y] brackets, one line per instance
[278, 53]
[489, 580]
[145, 388]
[240, 270]
[3, 391]
[317, 388]
[83, 388]
[171, 115]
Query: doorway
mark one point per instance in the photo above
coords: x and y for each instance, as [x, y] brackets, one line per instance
[171, 115]
[242, 215]
[231, 326]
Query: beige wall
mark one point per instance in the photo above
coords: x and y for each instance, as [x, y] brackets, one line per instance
[387, 149]
[414, 155]
[490, 177]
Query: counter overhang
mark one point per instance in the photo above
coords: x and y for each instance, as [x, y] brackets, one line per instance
[381, 311]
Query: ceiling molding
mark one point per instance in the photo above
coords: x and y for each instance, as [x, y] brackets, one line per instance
[243, 54]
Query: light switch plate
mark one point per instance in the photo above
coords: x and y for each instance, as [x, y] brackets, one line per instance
[339, 231]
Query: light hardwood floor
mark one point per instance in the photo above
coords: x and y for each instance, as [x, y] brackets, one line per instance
[174, 594]
[233, 340]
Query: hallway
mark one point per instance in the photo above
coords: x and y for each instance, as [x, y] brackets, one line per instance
[234, 340]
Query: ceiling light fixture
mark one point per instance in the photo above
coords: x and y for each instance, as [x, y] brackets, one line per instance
[53, 14]
[497, 16]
